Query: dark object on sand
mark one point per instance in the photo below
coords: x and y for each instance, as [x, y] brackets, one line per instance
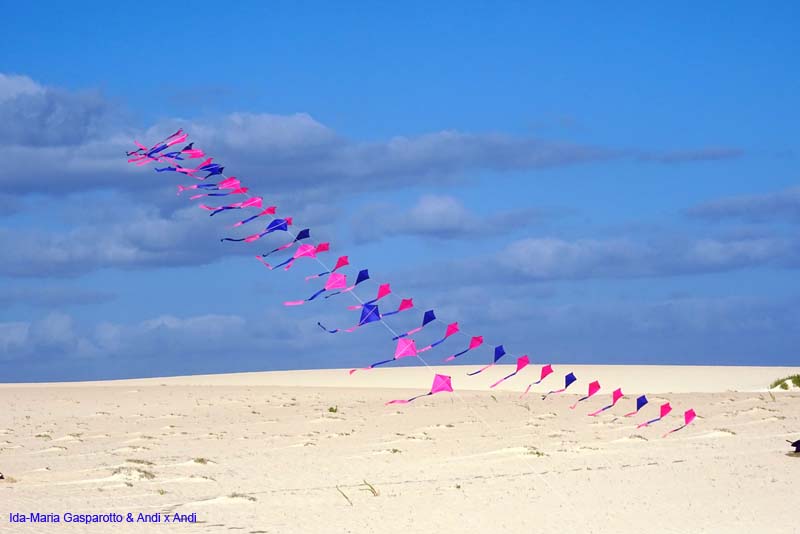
[796, 445]
[2, 477]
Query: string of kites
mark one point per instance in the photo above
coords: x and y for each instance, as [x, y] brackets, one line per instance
[336, 282]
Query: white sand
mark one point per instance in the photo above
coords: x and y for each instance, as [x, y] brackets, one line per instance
[477, 461]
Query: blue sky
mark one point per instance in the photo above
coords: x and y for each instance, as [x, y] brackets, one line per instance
[582, 183]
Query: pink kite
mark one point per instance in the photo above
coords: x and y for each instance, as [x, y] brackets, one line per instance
[665, 409]
[522, 363]
[335, 281]
[361, 277]
[615, 396]
[594, 387]
[474, 343]
[343, 261]
[688, 417]
[383, 290]
[547, 370]
[451, 329]
[405, 347]
[440, 383]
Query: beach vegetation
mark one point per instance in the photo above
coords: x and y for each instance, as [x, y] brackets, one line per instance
[370, 488]
[784, 382]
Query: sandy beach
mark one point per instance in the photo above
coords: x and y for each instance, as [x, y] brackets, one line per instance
[317, 451]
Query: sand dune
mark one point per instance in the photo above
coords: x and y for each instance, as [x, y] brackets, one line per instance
[263, 452]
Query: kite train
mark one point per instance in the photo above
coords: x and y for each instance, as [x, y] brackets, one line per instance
[173, 160]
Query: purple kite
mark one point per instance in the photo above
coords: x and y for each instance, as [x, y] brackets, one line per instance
[499, 352]
[440, 383]
[568, 381]
[474, 343]
[688, 417]
[665, 409]
[405, 347]
[594, 387]
[383, 290]
[641, 401]
[369, 314]
[522, 363]
[615, 396]
[547, 370]
[343, 261]
[335, 281]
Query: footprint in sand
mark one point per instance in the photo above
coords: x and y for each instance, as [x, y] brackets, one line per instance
[50, 449]
[716, 434]
[634, 437]
[233, 498]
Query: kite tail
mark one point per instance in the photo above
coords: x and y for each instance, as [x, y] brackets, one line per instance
[436, 343]
[577, 401]
[554, 392]
[503, 379]
[631, 414]
[289, 262]
[648, 423]
[245, 221]
[346, 290]
[309, 299]
[282, 247]
[372, 365]
[596, 413]
[267, 265]
[236, 239]
[674, 430]
[334, 331]
[406, 401]
[456, 355]
[482, 369]
[337, 330]
[409, 333]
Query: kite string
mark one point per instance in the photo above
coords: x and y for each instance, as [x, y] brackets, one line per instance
[425, 363]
